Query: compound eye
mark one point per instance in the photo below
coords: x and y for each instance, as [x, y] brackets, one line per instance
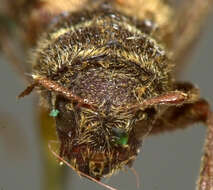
[54, 113]
[121, 137]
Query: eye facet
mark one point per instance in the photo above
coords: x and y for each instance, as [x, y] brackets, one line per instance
[121, 137]
[54, 113]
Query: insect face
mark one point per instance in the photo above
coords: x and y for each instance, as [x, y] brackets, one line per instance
[100, 142]
[104, 72]
[91, 75]
[94, 145]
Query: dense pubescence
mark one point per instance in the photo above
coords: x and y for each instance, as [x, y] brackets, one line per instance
[109, 60]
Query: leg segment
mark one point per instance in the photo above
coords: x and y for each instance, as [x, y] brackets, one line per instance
[13, 41]
[205, 181]
[181, 117]
[9, 50]
[189, 20]
[184, 116]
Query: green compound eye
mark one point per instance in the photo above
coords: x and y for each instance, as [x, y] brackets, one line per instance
[121, 136]
[123, 140]
[54, 113]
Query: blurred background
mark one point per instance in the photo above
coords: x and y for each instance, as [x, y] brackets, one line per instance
[168, 161]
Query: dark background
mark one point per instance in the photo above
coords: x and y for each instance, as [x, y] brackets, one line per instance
[168, 161]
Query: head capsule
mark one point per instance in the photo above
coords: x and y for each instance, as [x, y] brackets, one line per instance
[90, 66]
[94, 143]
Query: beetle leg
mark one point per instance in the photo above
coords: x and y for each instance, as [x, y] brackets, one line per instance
[189, 20]
[205, 181]
[193, 110]
[8, 49]
[181, 117]
[184, 116]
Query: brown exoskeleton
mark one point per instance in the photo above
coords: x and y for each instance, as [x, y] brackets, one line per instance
[107, 74]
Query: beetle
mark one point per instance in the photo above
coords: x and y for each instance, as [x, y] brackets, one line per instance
[181, 94]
